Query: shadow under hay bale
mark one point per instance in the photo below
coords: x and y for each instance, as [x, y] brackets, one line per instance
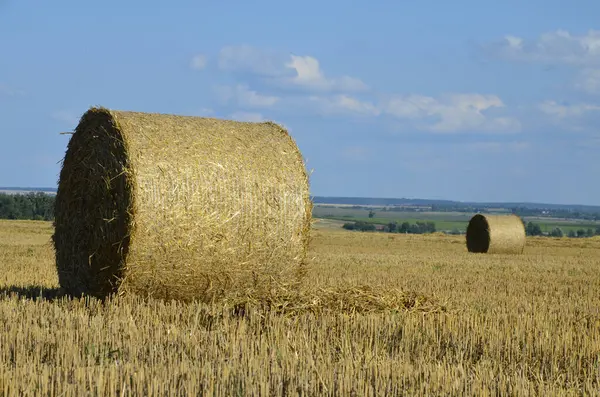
[496, 234]
[179, 207]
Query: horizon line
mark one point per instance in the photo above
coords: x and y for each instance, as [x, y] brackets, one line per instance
[19, 188]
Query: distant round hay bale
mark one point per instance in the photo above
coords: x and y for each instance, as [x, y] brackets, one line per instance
[179, 207]
[496, 234]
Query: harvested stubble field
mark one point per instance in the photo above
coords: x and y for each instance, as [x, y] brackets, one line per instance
[384, 315]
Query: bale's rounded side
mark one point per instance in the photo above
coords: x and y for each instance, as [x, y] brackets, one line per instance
[179, 207]
[496, 234]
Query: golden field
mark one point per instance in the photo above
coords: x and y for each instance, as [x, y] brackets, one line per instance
[382, 315]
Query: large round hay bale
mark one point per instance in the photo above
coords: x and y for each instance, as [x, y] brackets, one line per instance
[496, 234]
[179, 207]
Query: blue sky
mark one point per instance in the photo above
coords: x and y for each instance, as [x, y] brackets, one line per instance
[469, 100]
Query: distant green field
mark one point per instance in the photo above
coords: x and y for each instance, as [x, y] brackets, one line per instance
[443, 220]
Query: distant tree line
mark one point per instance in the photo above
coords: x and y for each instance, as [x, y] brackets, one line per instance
[393, 227]
[556, 213]
[31, 206]
[360, 226]
[421, 227]
[533, 229]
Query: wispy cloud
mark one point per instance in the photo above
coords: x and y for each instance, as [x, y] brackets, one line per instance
[10, 91]
[308, 73]
[199, 62]
[350, 96]
[561, 111]
[344, 105]
[204, 112]
[241, 95]
[559, 46]
[498, 147]
[589, 81]
[582, 52]
[452, 113]
[245, 58]
[285, 70]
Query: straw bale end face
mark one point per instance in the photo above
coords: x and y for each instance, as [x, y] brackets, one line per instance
[179, 207]
[496, 234]
[92, 208]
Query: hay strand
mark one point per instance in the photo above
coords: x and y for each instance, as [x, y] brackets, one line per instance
[179, 207]
[496, 234]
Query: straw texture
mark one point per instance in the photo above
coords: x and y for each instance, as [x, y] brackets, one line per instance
[496, 234]
[179, 207]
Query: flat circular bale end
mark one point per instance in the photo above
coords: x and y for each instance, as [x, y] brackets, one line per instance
[478, 234]
[92, 217]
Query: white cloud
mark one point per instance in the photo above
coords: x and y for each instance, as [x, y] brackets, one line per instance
[243, 96]
[561, 111]
[559, 46]
[344, 104]
[285, 70]
[454, 113]
[307, 70]
[199, 62]
[334, 95]
[66, 117]
[308, 74]
[247, 116]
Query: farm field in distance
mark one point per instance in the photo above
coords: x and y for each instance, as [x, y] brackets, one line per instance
[443, 220]
[468, 324]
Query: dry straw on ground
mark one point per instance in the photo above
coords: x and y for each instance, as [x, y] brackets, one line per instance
[179, 207]
[347, 299]
[496, 234]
